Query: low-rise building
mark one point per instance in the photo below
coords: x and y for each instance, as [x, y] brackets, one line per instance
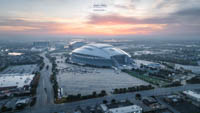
[123, 109]
[10, 81]
[21, 103]
[15, 84]
[124, 106]
[173, 99]
[192, 95]
[149, 101]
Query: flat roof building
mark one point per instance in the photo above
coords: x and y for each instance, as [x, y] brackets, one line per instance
[123, 109]
[193, 95]
[8, 81]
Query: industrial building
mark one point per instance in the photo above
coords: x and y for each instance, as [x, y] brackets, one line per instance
[100, 55]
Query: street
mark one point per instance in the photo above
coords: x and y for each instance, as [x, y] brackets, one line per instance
[70, 107]
[45, 94]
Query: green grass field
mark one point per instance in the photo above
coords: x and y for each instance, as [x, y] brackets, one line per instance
[149, 79]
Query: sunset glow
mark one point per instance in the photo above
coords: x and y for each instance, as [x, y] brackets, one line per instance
[133, 17]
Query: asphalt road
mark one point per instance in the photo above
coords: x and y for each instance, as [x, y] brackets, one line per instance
[69, 107]
[45, 95]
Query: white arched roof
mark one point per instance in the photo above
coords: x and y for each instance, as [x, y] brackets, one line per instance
[100, 50]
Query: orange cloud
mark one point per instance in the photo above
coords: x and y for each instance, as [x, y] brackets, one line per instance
[16, 28]
[75, 27]
[88, 29]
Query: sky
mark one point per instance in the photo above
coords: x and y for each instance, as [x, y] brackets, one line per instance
[87, 18]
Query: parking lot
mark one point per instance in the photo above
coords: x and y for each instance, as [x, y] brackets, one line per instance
[28, 69]
[84, 80]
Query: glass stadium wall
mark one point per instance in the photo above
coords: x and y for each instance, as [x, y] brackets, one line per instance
[122, 60]
[91, 60]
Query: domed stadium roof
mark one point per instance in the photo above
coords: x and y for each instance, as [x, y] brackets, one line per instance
[100, 50]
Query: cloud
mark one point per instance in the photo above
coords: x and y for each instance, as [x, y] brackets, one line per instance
[124, 6]
[183, 21]
[159, 4]
[117, 19]
[188, 12]
[26, 26]
[189, 16]
[17, 28]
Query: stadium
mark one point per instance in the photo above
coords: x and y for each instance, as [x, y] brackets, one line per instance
[100, 55]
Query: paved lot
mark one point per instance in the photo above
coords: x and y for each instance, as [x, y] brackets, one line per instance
[84, 80]
[29, 69]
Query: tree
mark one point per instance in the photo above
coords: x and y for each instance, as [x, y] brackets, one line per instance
[105, 101]
[78, 96]
[4, 108]
[116, 91]
[94, 94]
[128, 101]
[138, 96]
[113, 101]
[103, 93]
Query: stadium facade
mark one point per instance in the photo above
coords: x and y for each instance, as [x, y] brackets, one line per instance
[100, 55]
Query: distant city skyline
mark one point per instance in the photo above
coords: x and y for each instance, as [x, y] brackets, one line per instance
[115, 18]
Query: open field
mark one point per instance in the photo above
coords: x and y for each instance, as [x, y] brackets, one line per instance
[152, 80]
[84, 80]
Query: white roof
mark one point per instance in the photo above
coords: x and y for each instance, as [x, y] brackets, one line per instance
[100, 50]
[127, 109]
[22, 101]
[9, 80]
[76, 42]
[192, 94]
